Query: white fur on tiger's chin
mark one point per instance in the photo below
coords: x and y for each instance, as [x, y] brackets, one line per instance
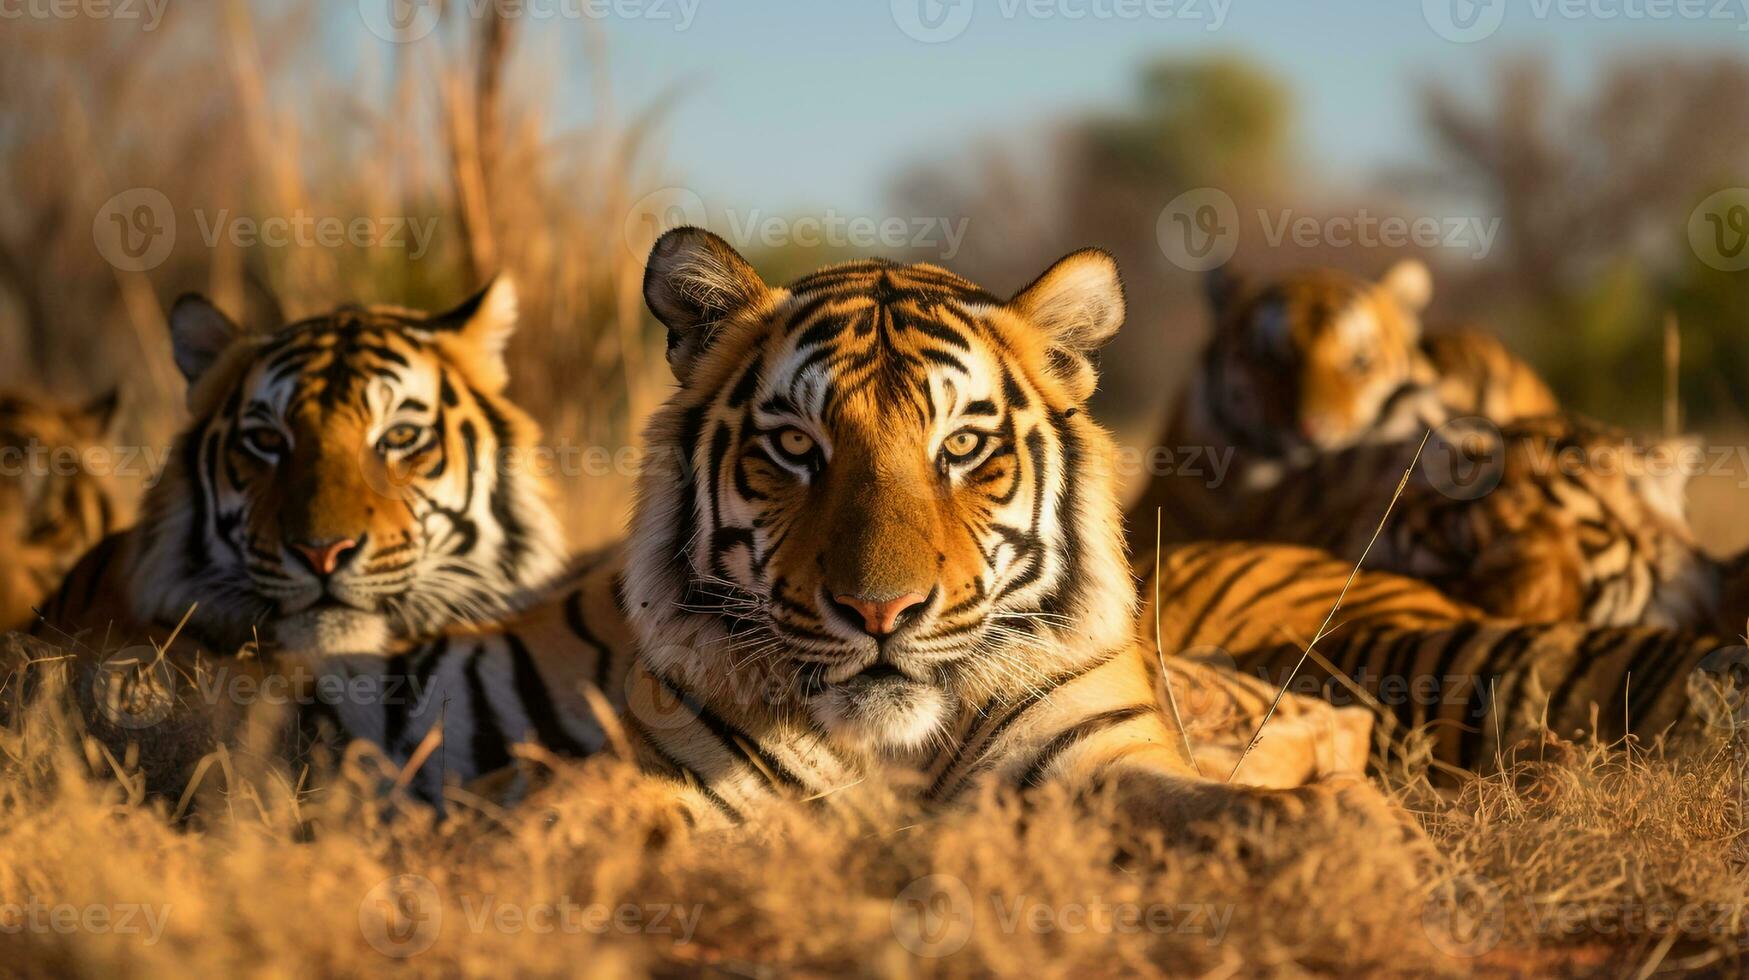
[333, 631]
[888, 715]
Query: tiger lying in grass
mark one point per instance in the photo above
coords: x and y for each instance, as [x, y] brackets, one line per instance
[340, 488]
[892, 546]
[1314, 363]
[1554, 519]
[52, 505]
[1481, 684]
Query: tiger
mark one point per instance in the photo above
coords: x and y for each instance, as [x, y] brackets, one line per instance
[341, 486]
[889, 545]
[1557, 518]
[1483, 684]
[55, 500]
[356, 506]
[1315, 363]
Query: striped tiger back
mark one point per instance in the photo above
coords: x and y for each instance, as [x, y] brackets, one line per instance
[1478, 376]
[1223, 597]
[1482, 688]
[1551, 519]
[1482, 684]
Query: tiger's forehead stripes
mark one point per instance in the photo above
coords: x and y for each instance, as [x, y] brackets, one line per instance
[879, 332]
[332, 362]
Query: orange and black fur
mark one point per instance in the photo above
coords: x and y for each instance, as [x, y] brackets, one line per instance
[1312, 364]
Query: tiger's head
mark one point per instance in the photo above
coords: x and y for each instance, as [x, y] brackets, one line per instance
[55, 500]
[343, 483]
[1314, 361]
[882, 492]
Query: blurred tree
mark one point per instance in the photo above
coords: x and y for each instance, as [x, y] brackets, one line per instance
[1595, 195]
[1217, 122]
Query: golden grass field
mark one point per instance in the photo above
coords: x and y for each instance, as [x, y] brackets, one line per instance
[1575, 862]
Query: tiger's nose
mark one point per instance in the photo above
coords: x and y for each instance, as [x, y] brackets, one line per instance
[326, 557]
[881, 617]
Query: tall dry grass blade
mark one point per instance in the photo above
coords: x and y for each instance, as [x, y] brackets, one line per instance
[417, 760]
[1324, 629]
[1160, 654]
[1672, 376]
[611, 727]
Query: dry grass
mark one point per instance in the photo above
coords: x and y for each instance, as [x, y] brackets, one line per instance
[1590, 863]
[452, 156]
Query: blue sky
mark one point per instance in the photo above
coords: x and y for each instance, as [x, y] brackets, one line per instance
[805, 104]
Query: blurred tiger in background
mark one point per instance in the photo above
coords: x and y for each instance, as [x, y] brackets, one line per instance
[55, 502]
[1479, 684]
[894, 548]
[1558, 518]
[1313, 363]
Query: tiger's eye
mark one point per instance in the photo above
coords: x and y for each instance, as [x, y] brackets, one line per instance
[962, 443]
[402, 436]
[795, 443]
[264, 441]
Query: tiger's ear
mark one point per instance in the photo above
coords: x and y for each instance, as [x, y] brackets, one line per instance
[1078, 305]
[199, 333]
[478, 331]
[693, 283]
[1410, 284]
